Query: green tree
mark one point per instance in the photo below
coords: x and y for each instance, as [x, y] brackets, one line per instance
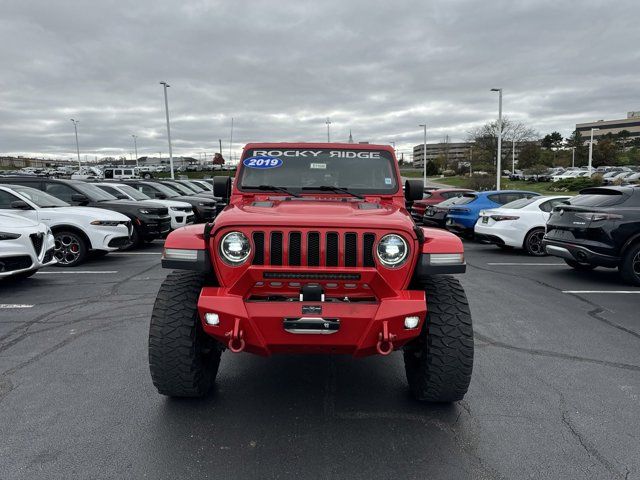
[552, 141]
[529, 156]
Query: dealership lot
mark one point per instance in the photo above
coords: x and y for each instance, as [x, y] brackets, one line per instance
[555, 391]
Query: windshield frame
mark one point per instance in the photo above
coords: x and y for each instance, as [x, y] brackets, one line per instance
[309, 190]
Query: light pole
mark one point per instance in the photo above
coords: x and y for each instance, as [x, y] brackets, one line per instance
[470, 161]
[75, 128]
[135, 147]
[591, 150]
[513, 156]
[424, 156]
[231, 141]
[328, 122]
[499, 159]
[573, 156]
[165, 85]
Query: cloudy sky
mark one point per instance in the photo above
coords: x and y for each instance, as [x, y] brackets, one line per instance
[280, 68]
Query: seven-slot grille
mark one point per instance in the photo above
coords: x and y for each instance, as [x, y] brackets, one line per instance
[295, 248]
[37, 239]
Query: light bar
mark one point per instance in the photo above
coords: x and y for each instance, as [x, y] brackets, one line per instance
[180, 254]
[446, 258]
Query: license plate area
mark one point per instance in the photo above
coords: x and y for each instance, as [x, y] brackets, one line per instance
[311, 325]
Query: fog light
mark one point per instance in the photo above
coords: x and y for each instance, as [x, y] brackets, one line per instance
[214, 319]
[411, 322]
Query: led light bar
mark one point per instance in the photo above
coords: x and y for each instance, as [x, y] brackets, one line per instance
[180, 254]
[446, 258]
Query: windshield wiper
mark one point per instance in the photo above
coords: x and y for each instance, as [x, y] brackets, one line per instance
[330, 188]
[269, 187]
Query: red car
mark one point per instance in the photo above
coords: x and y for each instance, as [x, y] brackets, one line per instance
[314, 253]
[433, 198]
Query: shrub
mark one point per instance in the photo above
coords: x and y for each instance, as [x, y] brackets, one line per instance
[575, 184]
[449, 173]
[480, 183]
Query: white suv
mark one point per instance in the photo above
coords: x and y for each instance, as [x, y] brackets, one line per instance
[181, 212]
[25, 246]
[77, 230]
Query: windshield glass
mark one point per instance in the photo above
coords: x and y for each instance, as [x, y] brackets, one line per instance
[466, 198]
[451, 201]
[598, 200]
[170, 193]
[94, 193]
[193, 186]
[522, 202]
[359, 171]
[41, 199]
[179, 188]
[133, 193]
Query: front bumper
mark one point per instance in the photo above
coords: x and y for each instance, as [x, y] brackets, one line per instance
[263, 323]
[18, 256]
[155, 226]
[506, 234]
[180, 218]
[578, 253]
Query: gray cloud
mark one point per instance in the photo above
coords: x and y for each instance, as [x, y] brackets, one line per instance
[281, 67]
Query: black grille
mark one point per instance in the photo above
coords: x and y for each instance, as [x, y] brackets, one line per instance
[37, 239]
[48, 256]
[295, 245]
[9, 264]
[350, 250]
[119, 242]
[258, 243]
[313, 249]
[367, 250]
[316, 250]
[276, 248]
[311, 276]
[332, 249]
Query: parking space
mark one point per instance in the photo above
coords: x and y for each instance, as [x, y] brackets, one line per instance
[555, 391]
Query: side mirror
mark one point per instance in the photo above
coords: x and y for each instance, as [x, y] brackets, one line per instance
[79, 198]
[222, 187]
[20, 205]
[413, 190]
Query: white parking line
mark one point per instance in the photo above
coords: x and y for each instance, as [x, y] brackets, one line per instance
[77, 271]
[135, 253]
[514, 264]
[15, 305]
[601, 291]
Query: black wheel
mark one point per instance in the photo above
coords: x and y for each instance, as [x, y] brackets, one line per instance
[630, 266]
[70, 248]
[585, 267]
[136, 240]
[183, 360]
[439, 362]
[533, 243]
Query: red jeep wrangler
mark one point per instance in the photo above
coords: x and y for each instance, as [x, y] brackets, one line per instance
[314, 253]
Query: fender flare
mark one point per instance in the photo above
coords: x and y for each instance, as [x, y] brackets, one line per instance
[72, 228]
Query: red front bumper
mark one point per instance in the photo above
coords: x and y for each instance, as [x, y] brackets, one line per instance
[263, 331]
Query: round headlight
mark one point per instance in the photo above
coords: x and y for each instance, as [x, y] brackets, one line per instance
[392, 250]
[235, 248]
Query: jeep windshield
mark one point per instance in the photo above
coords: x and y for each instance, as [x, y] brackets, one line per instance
[369, 172]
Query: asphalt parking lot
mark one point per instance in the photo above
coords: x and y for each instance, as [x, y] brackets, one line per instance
[555, 391]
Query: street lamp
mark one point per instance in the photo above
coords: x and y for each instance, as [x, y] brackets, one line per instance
[328, 122]
[573, 156]
[513, 156]
[499, 160]
[75, 127]
[591, 150]
[424, 156]
[135, 147]
[166, 109]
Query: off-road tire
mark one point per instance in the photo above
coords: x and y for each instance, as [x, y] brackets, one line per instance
[533, 243]
[583, 267]
[183, 359]
[440, 361]
[630, 265]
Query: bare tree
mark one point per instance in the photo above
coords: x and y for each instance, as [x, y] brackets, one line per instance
[485, 138]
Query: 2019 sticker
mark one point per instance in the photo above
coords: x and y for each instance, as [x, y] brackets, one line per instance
[262, 161]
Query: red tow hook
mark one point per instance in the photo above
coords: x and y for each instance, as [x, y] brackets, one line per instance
[236, 342]
[385, 340]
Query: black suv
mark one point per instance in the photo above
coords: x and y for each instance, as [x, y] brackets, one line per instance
[150, 221]
[600, 227]
[204, 208]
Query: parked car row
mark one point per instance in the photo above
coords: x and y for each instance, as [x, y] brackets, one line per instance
[45, 221]
[600, 227]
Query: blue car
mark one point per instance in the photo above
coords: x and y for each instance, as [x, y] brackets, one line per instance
[464, 213]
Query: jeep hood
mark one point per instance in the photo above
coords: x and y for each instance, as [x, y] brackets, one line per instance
[309, 212]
